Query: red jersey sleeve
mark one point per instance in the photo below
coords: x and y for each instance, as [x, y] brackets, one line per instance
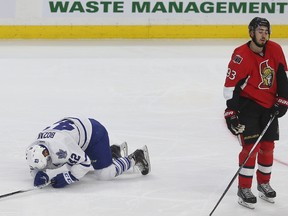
[238, 72]
[237, 67]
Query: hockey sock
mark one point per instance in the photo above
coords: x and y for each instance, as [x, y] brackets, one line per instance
[246, 174]
[265, 162]
[121, 164]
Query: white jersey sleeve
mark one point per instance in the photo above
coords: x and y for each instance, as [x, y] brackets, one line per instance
[65, 141]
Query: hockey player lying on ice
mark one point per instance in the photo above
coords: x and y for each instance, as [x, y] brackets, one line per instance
[82, 145]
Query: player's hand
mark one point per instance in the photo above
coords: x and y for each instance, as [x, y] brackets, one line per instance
[280, 107]
[40, 179]
[63, 179]
[233, 123]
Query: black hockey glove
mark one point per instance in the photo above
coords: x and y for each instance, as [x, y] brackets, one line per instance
[280, 107]
[233, 123]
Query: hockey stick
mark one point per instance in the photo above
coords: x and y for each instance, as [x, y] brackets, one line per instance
[23, 191]
[243, 164]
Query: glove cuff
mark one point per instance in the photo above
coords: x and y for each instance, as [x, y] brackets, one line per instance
[228, 113]
[282, 101]
[69, 178]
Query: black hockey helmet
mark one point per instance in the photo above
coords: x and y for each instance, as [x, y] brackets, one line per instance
[258, 21]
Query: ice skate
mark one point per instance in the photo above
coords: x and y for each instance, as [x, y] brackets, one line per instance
[119, 150]
[142, 161]
[266, 192]
[246, 198]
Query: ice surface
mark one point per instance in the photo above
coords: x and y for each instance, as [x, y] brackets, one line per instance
[166, 94]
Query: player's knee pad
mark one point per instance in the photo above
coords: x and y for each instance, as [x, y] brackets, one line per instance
[266, 148]
[267, 145]
[246, 150]
[106, 174]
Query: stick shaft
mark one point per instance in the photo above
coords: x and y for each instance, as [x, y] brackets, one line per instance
[15, 192]
[23, 191]
[243, 164]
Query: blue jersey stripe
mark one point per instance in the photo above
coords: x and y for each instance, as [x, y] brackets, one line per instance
[85, 132]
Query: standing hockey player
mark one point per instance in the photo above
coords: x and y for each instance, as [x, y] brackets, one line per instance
[256, 88]
[82, 145]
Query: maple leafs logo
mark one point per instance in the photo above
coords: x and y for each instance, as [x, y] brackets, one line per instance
[61, 154]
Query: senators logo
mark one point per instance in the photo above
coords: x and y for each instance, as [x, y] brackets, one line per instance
[267, 75]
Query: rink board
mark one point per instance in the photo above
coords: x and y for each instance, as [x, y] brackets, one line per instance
[132, 31]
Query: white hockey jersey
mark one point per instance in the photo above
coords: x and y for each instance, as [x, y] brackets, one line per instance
[66, 141]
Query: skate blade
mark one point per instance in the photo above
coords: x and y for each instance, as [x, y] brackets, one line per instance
[124, 149]
[146, 155]
[267, 199]
[245, 204]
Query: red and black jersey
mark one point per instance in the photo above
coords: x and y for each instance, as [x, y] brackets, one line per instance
[256, 75]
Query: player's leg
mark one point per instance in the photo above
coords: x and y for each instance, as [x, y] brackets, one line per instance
[265, 162]
[249, 116]
[141, 160]
[246, 197]
[98, 149]
[119, 150]
[100, 153]
[265, 158]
